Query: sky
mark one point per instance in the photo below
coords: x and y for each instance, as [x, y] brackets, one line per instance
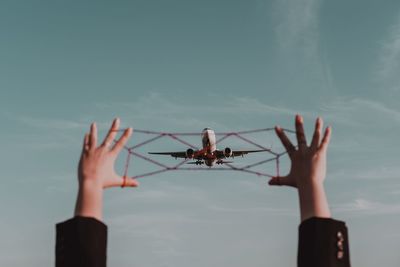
[182, 66]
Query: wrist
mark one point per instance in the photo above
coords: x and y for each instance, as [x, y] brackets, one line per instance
[90, 184]
[313, 201]
[90, 199]
[309, 185]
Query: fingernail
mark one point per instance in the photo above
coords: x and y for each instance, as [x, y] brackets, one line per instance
[278, 128]
[318, 122]
[136, 183]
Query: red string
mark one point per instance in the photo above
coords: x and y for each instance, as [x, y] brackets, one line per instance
[176, 137]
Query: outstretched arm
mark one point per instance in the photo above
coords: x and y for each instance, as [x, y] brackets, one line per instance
[82, 240]
[322, 241]
[308, 169]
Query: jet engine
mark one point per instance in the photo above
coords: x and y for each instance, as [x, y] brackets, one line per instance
[228, 152]
[189, 153]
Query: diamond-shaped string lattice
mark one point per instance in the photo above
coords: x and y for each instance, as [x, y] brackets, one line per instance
[180, 166]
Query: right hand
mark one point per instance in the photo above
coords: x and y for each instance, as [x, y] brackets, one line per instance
[308, 163]
[308, 169]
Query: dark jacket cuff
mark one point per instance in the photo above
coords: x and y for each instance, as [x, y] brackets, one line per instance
[323, 242]
[81, 241]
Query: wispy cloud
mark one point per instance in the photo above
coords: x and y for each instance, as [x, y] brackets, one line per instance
[161, 192]
[58, 124]
[180, 115]
[378, 173]
[298, 25]
[153, 103]
[389, 61]
[362, 206]
[364, 116]
[298, 39]
[359, 111]
[253, 210]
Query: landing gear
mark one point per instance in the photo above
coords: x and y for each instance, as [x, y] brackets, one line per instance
[219, 162]
[199, 162]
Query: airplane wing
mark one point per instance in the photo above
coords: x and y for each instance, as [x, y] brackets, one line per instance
[218, 162]
[236, 153]
[181, 154]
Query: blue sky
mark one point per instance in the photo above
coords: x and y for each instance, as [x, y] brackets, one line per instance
[182, 66]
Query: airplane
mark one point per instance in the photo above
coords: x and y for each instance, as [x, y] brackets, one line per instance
[209, 154]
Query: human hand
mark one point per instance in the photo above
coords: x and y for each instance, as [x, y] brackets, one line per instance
[96, 165]
[308, 163]
[96, 170]
[308, 168]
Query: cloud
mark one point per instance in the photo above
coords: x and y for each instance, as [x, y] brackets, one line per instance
[59, 124]
[378, 173]
[161, 112]
[253, 210]
[157, 235]
[152, 104]
[179, 114]
[298, 25]
[254, 106]
[362, 206]
[135, 223]
[389, 60]
[298, 39]
[161, 192]
[359, 111]
[364, 118]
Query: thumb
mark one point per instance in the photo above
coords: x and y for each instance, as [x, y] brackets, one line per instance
[280, 180]
[126, 181]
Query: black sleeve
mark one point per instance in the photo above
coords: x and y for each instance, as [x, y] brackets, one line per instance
[81, 242]
[323, 242]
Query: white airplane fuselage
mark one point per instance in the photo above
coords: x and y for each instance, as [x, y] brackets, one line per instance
[209, 142]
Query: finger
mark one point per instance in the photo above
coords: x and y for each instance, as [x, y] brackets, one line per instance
[301, 138]
[111, 133]
[285, 140]
[280, 180]
[85, 146]
[326, 139]
[93, 136]
[122, 141]
[317, 133]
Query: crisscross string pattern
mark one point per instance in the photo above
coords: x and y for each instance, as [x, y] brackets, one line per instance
[177, 137]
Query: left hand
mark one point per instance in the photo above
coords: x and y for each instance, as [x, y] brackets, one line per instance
[96, 165]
